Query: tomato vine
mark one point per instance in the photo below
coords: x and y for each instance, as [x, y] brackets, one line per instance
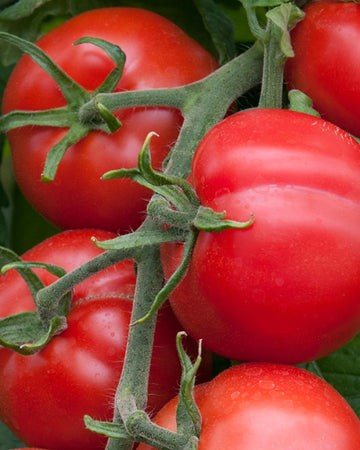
[175, 213]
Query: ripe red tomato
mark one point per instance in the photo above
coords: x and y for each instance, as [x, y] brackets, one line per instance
[44, 397]
[287, 288]
[159, 54]
[326, 65]
[259, 406]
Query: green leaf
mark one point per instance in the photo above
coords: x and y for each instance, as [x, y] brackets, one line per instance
[4, 203]
[8, 440]
[342, 370]
[24, 18]
[220, 27]
[237, 13]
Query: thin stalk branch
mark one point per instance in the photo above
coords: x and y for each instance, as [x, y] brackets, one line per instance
[273, 72]
[60, 287]
[132, 391]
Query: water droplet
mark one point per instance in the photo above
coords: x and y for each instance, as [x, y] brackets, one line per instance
[266, 384]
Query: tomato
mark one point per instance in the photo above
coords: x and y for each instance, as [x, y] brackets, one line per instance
[44, 397]
[287, 288]
[159, 54]
[326, 65]
[259, 406]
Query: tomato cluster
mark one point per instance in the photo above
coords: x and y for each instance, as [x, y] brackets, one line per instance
[281, 291]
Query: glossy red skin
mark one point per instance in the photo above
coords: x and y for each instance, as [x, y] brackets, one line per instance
[287, 288]
[159, 54]
[259, 406]
[44, 397]
[326, 65]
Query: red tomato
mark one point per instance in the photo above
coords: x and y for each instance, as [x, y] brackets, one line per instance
[44, 397]
[326, 65]
[287, 288]
[159, 54]
[259, 406]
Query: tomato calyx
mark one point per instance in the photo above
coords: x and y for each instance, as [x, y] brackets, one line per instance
[178, 214]
[28, 332]
[76, 96]
[175, 203]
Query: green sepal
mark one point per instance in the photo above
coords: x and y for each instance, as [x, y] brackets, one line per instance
[25, 334]
[209, 220]
[140, 239]
[109, 429]
[35, 284]
[175, 278]
[58, 117]
[111, 121]
[8, 258]
[159, 182]
[76, 132]
[116, 54]
[29, 332]
[19, 265]
[188, 213]
[73, 92]
[111, 81]
[301, 102]
[169, 192]
[188, 416]
[159, 178]
[285, 17]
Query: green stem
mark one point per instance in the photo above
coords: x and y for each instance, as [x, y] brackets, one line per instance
[220, 89]
[209, 99]
[271, 95]
[48, 296]
[131, 395]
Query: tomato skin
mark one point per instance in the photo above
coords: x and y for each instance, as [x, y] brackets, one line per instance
[44, 397]
[326, 65]
[159, 54]
[287, 288]
[260, 406]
